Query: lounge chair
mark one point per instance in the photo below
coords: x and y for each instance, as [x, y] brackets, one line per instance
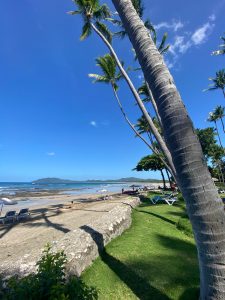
[23, 214]
[169, 199]
[10, 217]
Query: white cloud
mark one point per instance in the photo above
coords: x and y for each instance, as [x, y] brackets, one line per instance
[202, 33]
[93, 123]
[51, 153]
[174, 25]
[180, 45]
[186, 40]
[212, 17]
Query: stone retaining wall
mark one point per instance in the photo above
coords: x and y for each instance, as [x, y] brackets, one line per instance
[81, 245]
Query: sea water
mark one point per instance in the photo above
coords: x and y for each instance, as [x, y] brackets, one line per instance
[11, 188]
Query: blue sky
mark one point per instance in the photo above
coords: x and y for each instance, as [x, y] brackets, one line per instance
[55, 122]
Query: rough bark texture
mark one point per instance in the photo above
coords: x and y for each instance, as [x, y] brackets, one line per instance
[204, 205]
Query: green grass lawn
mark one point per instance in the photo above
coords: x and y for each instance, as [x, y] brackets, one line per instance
[151, 260]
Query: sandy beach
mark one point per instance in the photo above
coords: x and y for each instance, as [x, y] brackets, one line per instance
[49, 223]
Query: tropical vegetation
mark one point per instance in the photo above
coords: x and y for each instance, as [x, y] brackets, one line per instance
[183, 155]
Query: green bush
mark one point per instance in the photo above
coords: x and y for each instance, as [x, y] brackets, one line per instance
[49, 282]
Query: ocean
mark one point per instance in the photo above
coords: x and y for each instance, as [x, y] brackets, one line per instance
[12, 188]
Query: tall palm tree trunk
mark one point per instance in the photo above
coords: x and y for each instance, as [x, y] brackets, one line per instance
[217, 130]
[221, 119]
[139, 101]
[221, 172]
[168, 176]
[163, 178]
[154, 104]
[204, 206]
[133, 128]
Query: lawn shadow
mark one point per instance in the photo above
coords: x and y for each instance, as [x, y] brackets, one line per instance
[139, 285]
[157, 216]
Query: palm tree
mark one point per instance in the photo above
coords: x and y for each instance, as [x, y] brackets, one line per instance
[214, 118]
[204, 206]
[151, 163]
[92, 12]
[111, 76]
[218, 82]
[222, 46]
[219, 112]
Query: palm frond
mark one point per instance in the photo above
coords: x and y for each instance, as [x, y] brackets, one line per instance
[74, 12]
[163, 42]
[86, 31]
[107, 65]
[105, 31]
[102, 13]
[98, 78]
[114, 21]
[165, 49]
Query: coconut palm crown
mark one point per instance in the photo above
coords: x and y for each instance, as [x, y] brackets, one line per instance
[218, 82]
[92, 11]
[108, 67]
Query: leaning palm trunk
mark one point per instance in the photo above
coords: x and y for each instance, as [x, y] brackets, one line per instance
[163, 178]
[132, 126]
[154, 104]
[154, 149]
[139, 101]
[168, 176]
[204, 205]
[217, 130]
[222, 124]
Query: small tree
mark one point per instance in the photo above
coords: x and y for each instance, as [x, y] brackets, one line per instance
[151, 163]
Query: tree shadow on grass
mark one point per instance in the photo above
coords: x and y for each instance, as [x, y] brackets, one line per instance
[139, 285]
[157, 216]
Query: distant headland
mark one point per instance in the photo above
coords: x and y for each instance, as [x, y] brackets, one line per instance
[52, 180]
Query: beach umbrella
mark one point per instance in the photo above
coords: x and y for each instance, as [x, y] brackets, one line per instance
[6, 201]
[134, 186]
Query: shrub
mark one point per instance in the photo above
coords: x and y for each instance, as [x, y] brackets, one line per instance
[49, 282]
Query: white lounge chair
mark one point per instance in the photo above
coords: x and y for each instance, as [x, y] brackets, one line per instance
[169, 199]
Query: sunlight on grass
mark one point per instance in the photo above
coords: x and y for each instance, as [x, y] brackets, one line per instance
[151, 260]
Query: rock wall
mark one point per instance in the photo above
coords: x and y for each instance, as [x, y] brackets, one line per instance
[81, 245]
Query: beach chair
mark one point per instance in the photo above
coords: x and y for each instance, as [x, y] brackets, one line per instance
[169, 199]
[23, 214]
[10, 217]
